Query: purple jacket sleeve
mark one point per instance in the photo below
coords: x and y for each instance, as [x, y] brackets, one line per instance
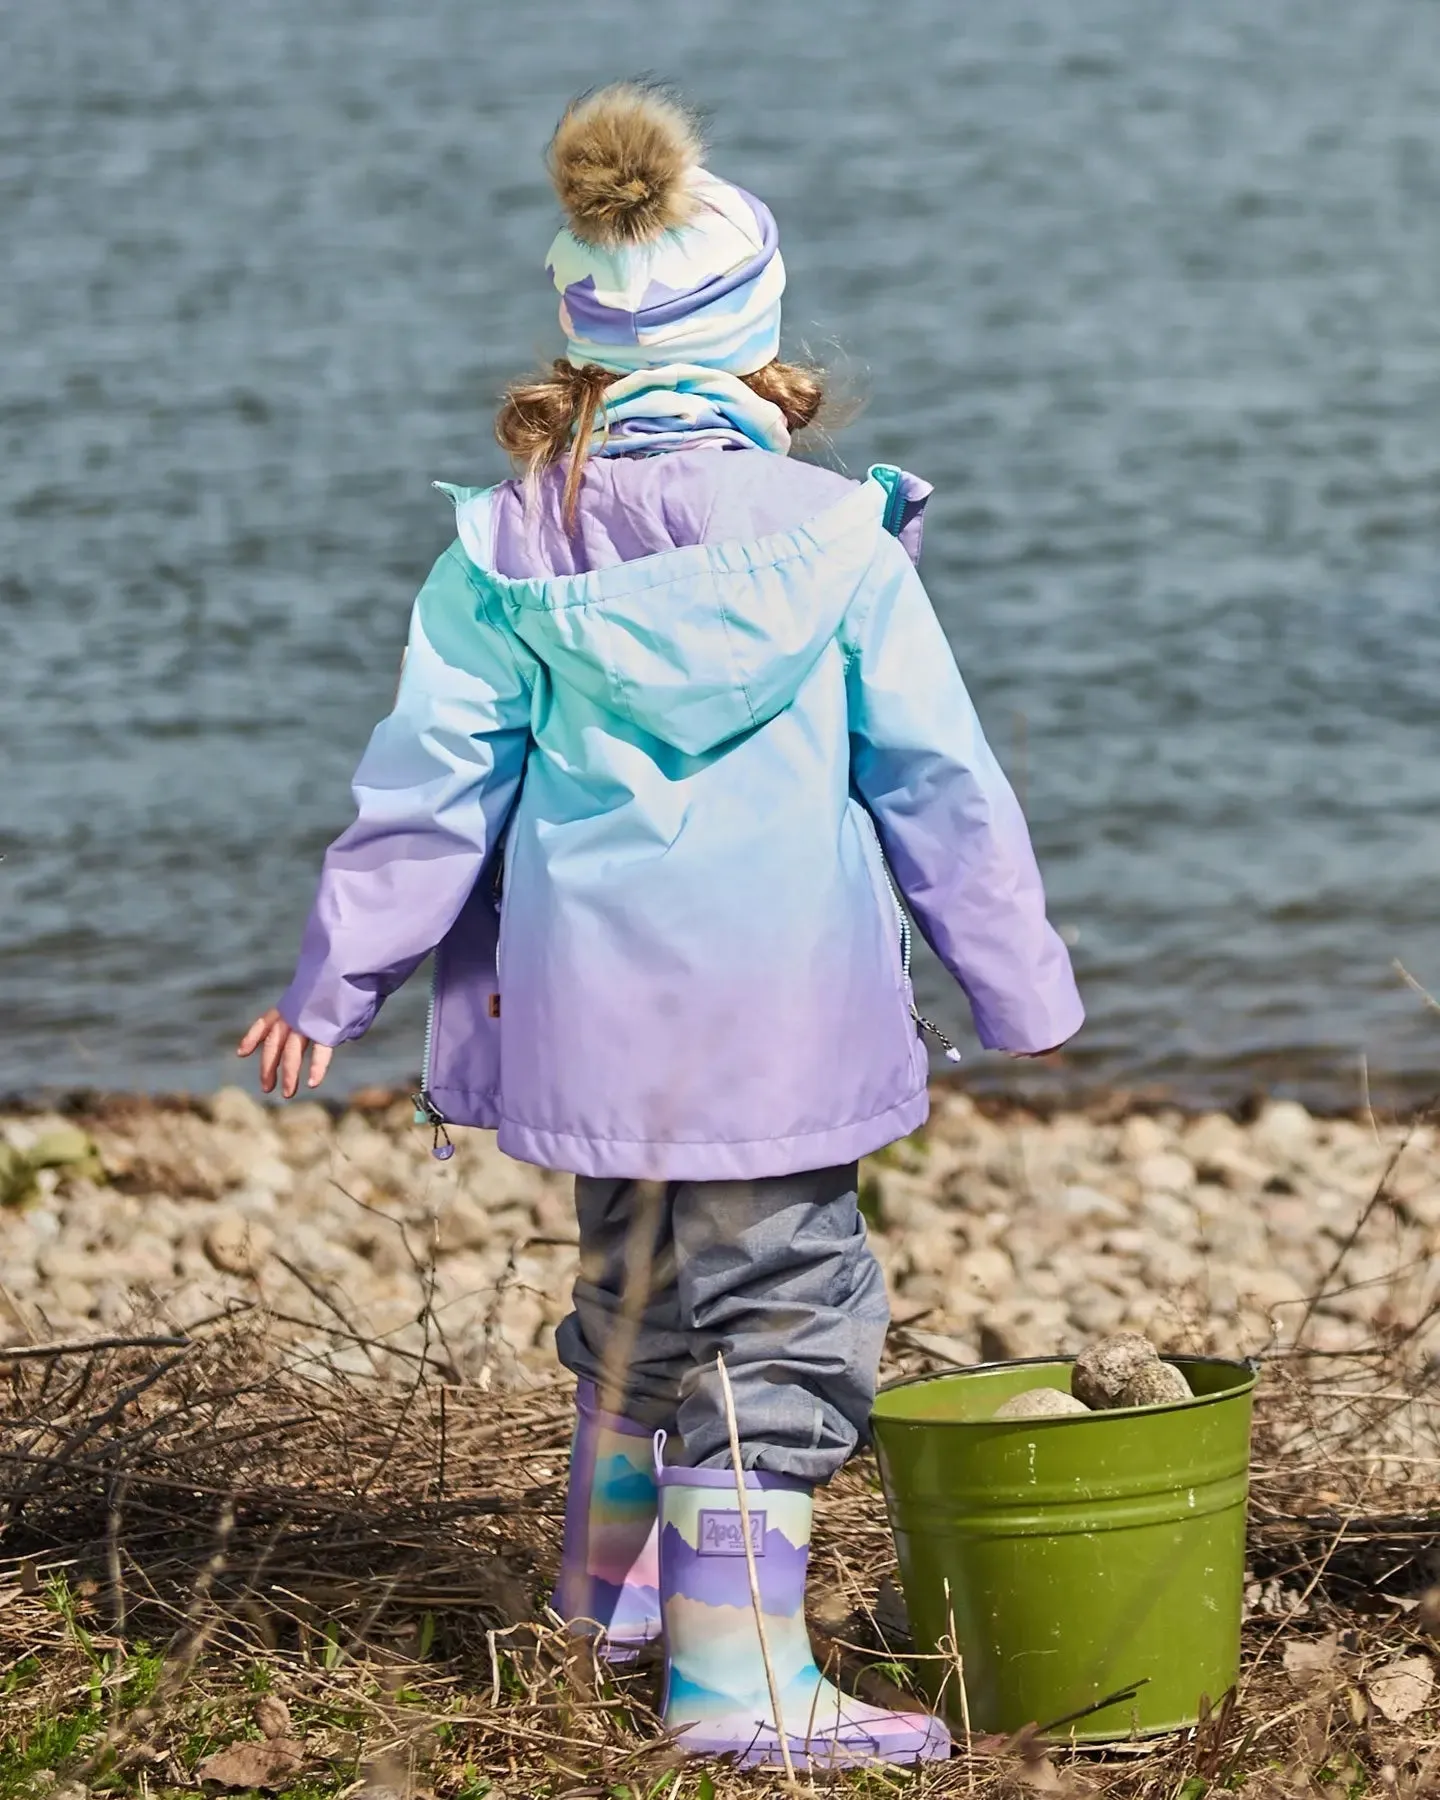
[952, 828]
[432, 794]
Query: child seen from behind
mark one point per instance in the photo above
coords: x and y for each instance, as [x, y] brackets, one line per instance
[676, 722]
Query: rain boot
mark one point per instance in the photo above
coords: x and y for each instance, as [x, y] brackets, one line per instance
[609, 1582]
[717, 1697]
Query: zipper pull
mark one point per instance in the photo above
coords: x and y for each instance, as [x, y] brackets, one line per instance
[946, 1044]
[428, 1113]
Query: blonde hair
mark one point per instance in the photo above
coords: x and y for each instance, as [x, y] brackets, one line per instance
[545, 415]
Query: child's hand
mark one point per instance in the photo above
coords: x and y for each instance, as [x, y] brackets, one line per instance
[284, 1051]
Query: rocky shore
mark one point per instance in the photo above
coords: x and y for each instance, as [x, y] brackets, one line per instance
[1002, 1232]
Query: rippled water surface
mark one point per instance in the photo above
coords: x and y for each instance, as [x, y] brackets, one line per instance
[1151, 293]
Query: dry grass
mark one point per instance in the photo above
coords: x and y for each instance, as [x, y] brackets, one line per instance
[227, 1539]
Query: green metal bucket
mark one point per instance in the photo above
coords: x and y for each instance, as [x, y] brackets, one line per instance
[1088, 1569]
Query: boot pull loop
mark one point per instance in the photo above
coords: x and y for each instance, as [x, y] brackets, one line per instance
[659, 1446]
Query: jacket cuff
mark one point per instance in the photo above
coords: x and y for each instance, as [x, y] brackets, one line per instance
[332, 1019]
[1033, 1029]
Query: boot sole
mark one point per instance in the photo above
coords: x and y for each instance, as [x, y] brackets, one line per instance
[818, 1753]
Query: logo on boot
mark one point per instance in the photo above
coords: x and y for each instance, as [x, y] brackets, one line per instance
[721, 1534]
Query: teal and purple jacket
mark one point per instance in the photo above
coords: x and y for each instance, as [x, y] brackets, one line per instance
[642, 794]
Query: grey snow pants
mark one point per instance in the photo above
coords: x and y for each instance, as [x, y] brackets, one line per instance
[775, 1274]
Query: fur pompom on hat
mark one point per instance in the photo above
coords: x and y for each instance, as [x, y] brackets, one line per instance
[621, 161]
[661, 262]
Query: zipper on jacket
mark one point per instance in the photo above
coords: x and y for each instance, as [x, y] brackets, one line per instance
[902, 920]
[426, 1111]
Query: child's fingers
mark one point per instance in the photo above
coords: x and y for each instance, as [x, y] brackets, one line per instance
[319, 1063]
[253, 1037]
[275, 1041]
[290, 1060]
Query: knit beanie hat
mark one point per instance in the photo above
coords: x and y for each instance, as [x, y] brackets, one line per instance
[661, 261]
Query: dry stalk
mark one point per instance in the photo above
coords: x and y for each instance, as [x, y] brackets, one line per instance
[1380, 1196]
[87, 1347]
[782, 1734]
[952, 1646]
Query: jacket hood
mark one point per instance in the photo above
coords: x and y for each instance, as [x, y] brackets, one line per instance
[699, 644]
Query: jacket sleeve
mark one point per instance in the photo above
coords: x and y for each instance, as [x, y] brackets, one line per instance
[951, 826]
[432, 793]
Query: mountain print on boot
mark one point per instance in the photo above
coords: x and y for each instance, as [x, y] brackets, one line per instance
[609, 1581]
[717, 1697]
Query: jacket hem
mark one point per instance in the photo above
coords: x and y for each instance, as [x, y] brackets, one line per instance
[748, 1160]
[458, 1106]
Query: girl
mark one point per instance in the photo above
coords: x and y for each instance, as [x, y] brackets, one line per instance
[675, 722]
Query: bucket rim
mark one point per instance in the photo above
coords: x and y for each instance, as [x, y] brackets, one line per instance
[1250, 1364]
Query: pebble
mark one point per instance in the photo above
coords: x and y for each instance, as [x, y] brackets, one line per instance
[146, 1259]
[988, 1272]
[1095, 1309]
[1212, 1135]
[1169, 1265]
[1088, 1203]
[73, 1297]
[1284, 1130]
[1236, 1236]
[237, 1245]
[1142, 1136]
[1167, 1172]
[1267, 1289]
[1168, 1218]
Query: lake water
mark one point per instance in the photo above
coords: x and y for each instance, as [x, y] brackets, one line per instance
[1150, 293]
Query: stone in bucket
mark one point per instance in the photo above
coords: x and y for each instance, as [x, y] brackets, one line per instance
[1126, 1370]
[1123, 1370]
[1040, 1403]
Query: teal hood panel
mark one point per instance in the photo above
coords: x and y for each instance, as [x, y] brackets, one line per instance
[699, 645]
